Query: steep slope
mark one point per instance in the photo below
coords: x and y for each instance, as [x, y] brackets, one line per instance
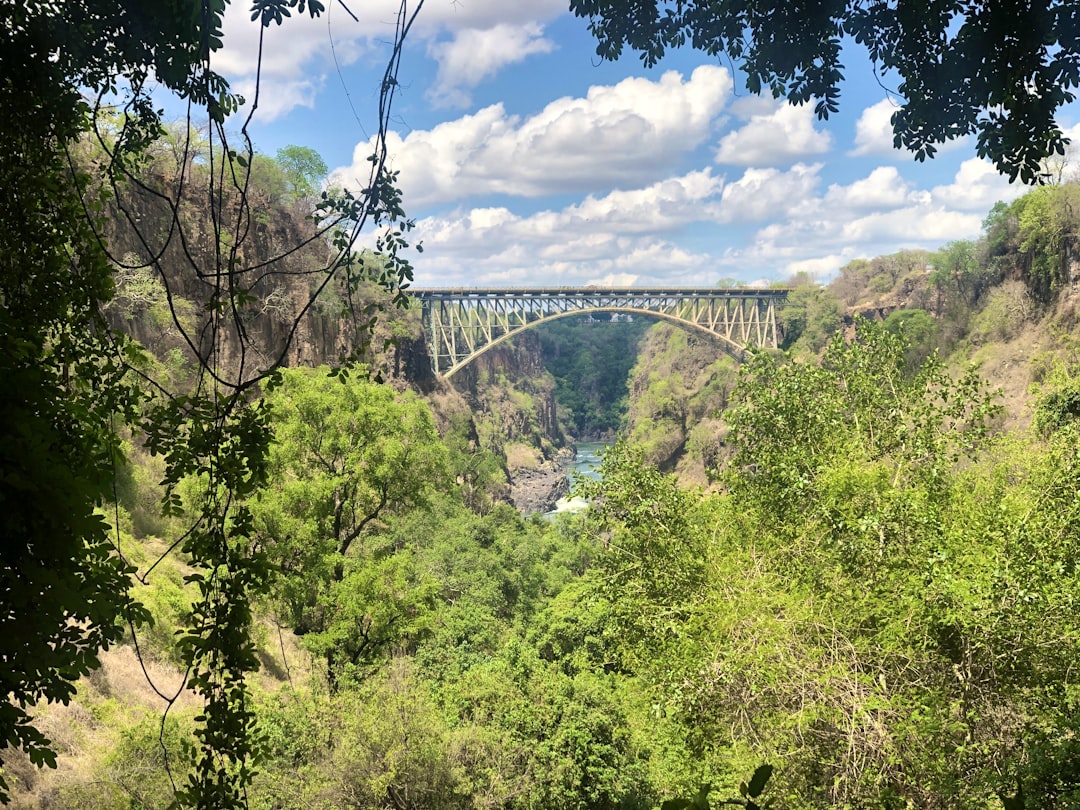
[678, 388]
[1008, 303]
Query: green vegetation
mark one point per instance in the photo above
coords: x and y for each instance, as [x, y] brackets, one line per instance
[590, 362]
[104, 197]
[863, 607]
[1005, 301]
[876, 607]
[348, 455]
[679, 386]
[809, 317]
[859, 624]
[876, 599]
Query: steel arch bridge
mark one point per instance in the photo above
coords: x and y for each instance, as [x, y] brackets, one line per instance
[461, 324]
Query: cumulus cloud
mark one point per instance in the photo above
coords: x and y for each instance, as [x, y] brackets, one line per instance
[976, 187]
[475, 55]
[617, 136]
[662, 206]
[775, 138]
[874, 134]
[584, 230]
[286, 95]
[614, 280]
[779, 223]
[820, 267]
[623, 234]
[914, 226]
[874, 215]
[883, 188]
[767, 193]
[873, 130]
[643, 260]
[302, 51]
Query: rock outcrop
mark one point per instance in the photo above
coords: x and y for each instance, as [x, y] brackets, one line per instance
[537, 489]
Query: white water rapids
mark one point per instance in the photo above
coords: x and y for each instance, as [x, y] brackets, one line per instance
[586, 464]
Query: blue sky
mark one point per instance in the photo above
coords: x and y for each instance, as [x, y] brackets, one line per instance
[525, 161]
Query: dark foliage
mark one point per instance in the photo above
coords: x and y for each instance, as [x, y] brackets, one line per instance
[997, 70]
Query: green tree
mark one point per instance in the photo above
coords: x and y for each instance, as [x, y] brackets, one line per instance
[304, 170]
[267, 180]
[73, 395]
[919, 331]
[64, 589]
[866, 607]
[653, 564]
[349, 454]
[791, 419]
[960, 273]
[1048, 222]
[809, 317]
[999, 71]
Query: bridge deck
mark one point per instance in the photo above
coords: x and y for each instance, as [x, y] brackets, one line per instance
[589, 292]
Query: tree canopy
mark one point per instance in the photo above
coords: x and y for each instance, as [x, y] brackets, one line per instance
[997, 70]
[79, 122]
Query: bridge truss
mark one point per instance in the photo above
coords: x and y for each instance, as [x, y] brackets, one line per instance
[461, 324]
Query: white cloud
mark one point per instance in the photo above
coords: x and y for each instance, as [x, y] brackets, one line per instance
[767, 193]
[874, 134]
[619, 235]
[459, 15]
[642, 261]
[589, 229]
[873, 130]
[875, 215]
[639, 232]
[629, 133]
[284, 96]
[475, 55]
[614, 280]
[662, 206]
[883, 188]
[820, 267]
[773, 139]
[976, 187]
[308, 47]
[915, 226]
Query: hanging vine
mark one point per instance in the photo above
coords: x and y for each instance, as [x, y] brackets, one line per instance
[213, 433]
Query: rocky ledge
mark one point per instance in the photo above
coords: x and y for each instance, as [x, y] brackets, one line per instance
[536, 489]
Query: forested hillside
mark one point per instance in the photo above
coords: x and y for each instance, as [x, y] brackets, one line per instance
[1007, 303]
[877, 599]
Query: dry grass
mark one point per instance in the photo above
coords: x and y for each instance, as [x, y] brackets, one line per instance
[1007, 366]
[119, 696]
[522, 456]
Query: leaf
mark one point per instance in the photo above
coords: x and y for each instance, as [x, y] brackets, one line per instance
[759, 780]
[1015, 802]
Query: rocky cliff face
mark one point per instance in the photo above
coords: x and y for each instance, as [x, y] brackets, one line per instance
[258, 276]
[512, 398]
[169, 276]
[679, 387]
[509, 383]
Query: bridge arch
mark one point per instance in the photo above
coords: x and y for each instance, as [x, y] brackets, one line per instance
[461, 325]
[730, 347]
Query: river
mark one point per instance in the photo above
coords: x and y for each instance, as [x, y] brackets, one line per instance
[586, 463]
